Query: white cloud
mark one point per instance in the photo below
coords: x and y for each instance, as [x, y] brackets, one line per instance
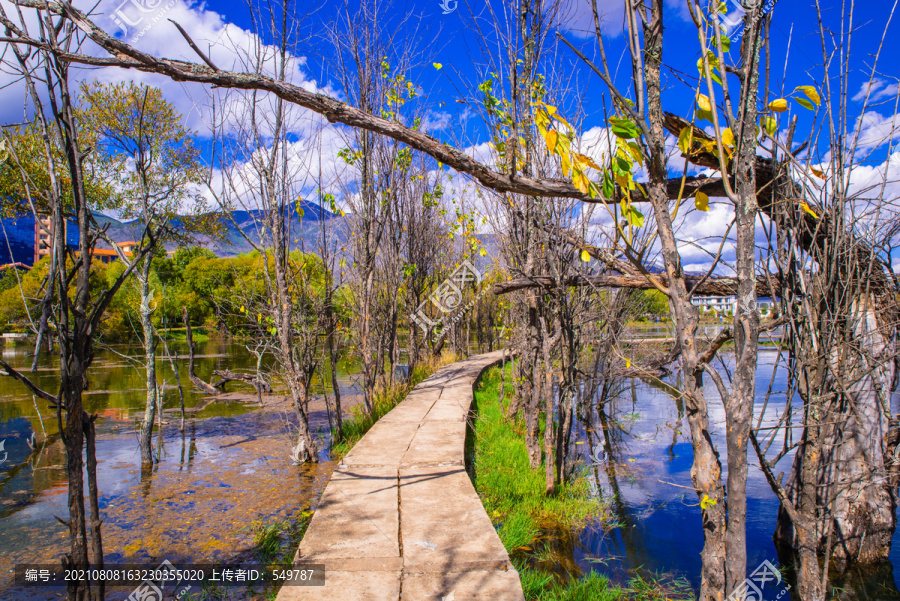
[435, 121]
[874, 129]
[877, 89]
[310, 164]
[147, 27]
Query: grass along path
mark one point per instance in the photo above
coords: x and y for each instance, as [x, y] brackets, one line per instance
[385, 399]
[529, 523]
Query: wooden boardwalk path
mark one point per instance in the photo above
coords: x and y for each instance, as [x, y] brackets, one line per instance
[400, 520]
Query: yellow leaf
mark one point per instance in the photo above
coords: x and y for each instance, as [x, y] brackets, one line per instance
[817, 172]
[727, 137]
[684, 140]
[243, 309]
[807, 208]
[706, 502]
[701, 201]
[585, 256]
[550, 137]
[483, 251]
[627, 363]
[551, 110]
[811, 93]
[778, 105]
[586, 161]
[437, 66]
[703, 103]
[566, 163]
[580, 180]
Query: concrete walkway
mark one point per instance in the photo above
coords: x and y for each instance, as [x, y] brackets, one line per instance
[400, 519]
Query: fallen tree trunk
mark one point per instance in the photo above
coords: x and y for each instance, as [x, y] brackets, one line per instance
[229, 376]
[195, 380]
[708, 286]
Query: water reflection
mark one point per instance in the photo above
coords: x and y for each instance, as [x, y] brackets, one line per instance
[228, 469]
[638, 452]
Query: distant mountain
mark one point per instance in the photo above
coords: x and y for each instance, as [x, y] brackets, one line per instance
[17, 235]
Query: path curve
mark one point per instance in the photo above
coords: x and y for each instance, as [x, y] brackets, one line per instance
[400, 520]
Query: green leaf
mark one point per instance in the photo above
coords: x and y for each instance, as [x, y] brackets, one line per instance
[437, 66]
[770, 125]
[635, 217]
[623, 128]
[805, 103]
[726, 43]
[608, 188]
[706, 502]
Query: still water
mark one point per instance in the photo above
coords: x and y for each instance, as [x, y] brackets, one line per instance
[228, 472]
[639, 456]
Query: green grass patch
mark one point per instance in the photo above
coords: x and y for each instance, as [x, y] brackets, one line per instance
[274, 544]
[513, 493]
[384, 399]
[199, 334]
[528, 521]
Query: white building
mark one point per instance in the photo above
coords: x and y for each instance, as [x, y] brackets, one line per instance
[727, 304]
[715, 303]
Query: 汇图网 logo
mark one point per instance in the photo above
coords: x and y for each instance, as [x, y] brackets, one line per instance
[751, 589]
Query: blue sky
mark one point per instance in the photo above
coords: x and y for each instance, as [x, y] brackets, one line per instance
[464, 42]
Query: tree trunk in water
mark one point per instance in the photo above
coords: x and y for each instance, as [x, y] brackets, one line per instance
[305, 451]
[93, 494]
[333, 359]
[706, 472]
[194, 378]
[846, 458]
[739, 403]
[149, 365]
[74, 441]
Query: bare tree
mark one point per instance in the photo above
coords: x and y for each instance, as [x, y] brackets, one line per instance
[372, 61]
[838, 296]
[156, 165]
[262, 175]
[63, 185]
